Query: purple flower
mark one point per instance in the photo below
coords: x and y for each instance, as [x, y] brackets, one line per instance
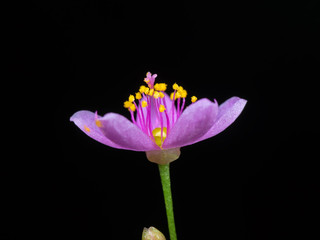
[159, 124]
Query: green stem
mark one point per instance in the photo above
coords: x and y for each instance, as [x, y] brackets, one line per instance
[166, 187]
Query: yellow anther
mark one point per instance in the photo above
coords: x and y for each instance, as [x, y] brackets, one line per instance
[86, 128]
[171, 96]
[131, 98]
[180, 89]
[162, 108]
[183, 93]
[127, 104]
[151, 91]
[161, 94]
[142, 89]
[132, 107]
[175, 86]
[146, 90]
[98, 123]
[160, 86]
[156, 94]
[194, 99]
[157, 135]
[178, 95]
[163, 86]
[138, 96]
[144, 103]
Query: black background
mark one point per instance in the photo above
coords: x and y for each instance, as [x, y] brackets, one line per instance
[256, 180]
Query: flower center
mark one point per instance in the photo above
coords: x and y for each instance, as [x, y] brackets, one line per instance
[151, 107]
[159, 135]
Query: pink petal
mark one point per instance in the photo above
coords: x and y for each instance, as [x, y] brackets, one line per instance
[124, 133]
[228, 113]
[85, 120]
[194, 122]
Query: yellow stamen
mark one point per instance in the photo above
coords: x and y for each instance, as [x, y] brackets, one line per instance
[180, 89]
[127, 104]
[138, 95]
[156, 94]
[171, 96]
[132, 107]
[142, 89]
[151, 91]
[146, 91]
[163, 86]
[144, 104]
[162, 108]
[131, 98]
[175, 86]
[157, 135]
[160, 86]
[86, 128]
[161, 94]
[98, 123]
[194, 99]
[178, 95]
[183, 93]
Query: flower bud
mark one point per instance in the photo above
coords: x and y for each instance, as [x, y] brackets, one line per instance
[152, 233]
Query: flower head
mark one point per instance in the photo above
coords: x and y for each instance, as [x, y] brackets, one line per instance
[160, 124]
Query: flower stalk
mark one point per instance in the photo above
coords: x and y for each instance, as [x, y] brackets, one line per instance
[166, 187]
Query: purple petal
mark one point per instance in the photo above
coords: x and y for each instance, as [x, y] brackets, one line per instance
[228, 113]
[194, 122]
[124, 133]
[85, 120]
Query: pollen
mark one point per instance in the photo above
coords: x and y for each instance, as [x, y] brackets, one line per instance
[175, 86]
[194, 99]
[161, 94]
[132, 107]
[156, 94]
[171, 96]
[86, 128]
[98, 123]
[160, 86]
[163, 86]
[142, 89]
[183, 93]
[151, 91]
[146, 91]
[127, 104]
[144, 104]
[131, 98]
[138, 96]
[162, 108]
[180, 89]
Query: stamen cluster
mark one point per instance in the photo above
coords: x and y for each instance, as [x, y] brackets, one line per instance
[153, 97]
